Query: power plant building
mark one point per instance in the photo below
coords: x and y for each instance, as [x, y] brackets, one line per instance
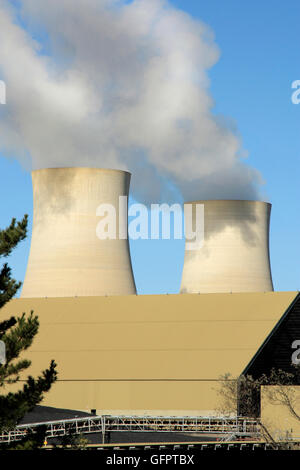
[67, 258]
[159, 354]
[123, 354]
[234, 256]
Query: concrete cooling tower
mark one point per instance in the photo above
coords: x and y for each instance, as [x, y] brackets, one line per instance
[67, 258]
[234, 256]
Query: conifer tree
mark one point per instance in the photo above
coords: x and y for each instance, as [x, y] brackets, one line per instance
[17, 335]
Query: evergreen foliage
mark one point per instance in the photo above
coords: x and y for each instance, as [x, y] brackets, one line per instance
[18, 334]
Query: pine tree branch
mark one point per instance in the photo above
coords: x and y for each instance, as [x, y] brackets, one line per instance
[14, 406]
[8, 285]
[6, 325]
[20, 337]
[17, 335]
[10, 374]
[12, 235]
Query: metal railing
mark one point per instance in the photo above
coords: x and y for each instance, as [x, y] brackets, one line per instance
[106, 423]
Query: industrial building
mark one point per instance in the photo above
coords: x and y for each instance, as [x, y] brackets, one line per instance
[158, 355]
[235, 253]
[66, 257]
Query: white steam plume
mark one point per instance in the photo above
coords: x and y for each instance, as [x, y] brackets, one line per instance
[109, 84]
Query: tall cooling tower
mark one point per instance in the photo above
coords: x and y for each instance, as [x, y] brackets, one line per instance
[234, 256]
[67, 258]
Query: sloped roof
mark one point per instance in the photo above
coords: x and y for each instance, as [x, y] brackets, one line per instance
[171, 337]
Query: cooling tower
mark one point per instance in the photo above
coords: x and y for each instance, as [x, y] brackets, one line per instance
[67, 258]
[234, 256]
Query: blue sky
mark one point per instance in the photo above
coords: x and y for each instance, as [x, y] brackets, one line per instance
[250, 84]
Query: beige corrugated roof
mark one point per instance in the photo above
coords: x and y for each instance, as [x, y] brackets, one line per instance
[187, 336]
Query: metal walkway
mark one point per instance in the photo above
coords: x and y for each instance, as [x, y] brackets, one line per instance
[238, 427]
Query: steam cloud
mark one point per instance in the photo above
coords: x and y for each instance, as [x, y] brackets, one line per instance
[121, 85]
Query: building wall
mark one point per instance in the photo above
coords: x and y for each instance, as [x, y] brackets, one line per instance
[279, 348]
[160, 354]
[136, 398]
